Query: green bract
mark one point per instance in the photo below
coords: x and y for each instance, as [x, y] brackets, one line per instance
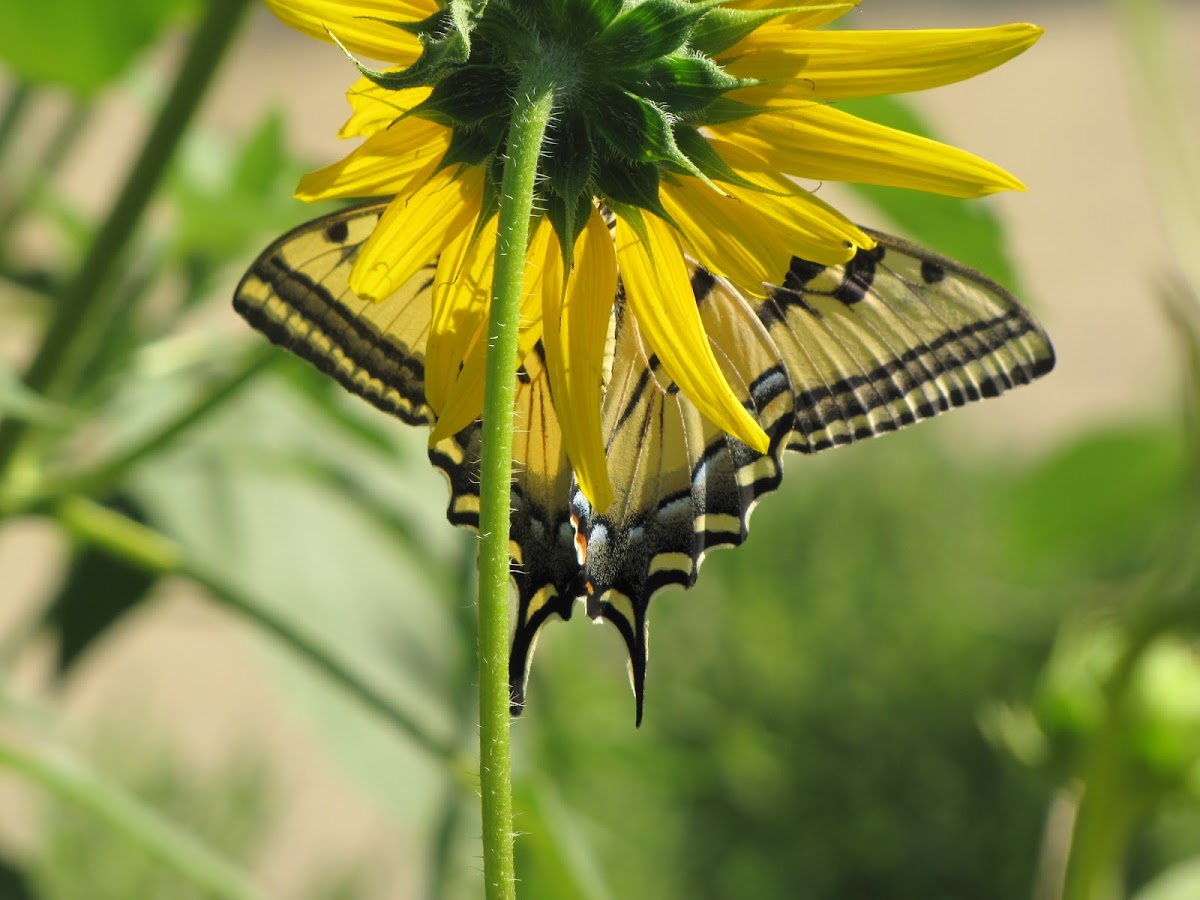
[631, 86]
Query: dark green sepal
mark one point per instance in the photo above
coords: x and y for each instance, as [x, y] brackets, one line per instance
[700, 152]
[470, 94]
[568, 155]
[636, 128]
[631, 216]
[432, 26]
[633, 184]
[649, 30]
[437, 58]
[489, 206]
[505, 34]
[682, 84]
[582, 20]
[723, 110]
[568, 218]
[471, 146]
[721, 28]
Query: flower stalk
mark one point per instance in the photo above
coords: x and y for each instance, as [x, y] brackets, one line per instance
[526, 132]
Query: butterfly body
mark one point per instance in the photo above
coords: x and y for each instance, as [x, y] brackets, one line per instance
[829, 356]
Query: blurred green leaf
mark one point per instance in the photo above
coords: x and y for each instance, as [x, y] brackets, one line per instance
[812, 704]
[1165, 699]
[1102, 503]
[249, 499]
[966, 230]
[1181, 882]
[1071, 703]
[328, 399]
[19, 401]
[97, 591]
[229, 199]
[81, 44]
[555, 860]
[13, 883]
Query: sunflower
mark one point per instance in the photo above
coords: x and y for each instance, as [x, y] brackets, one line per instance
[679, 128]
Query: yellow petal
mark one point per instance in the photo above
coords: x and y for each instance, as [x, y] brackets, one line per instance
[826, 144]
[352, 24]
[809, 219]
[383, 165]
[798, 64]
[660, 297]
[465, 400]
[462, 289]
[575, 331]
[374, 108]
[433, 208]
[750, 238]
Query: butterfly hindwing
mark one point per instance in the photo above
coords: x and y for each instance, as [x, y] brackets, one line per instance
[545, 570]
[835, 354]
[681, 484]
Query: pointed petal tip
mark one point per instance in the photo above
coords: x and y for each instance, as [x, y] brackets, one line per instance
[438, 433]
[373, 282]
[599, 495]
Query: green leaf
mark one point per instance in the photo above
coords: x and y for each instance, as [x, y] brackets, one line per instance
[97, 591]
[19, 402]
[1164, 711]
[320, 526]
[1180, 882]
[555, 860]
[1101, 502]
[13, 883]
[79, 44]
[966, 230]
[228, 197]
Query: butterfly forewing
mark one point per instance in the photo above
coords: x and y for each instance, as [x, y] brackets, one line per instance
[831, 355]
[897, 335]
[298, 294]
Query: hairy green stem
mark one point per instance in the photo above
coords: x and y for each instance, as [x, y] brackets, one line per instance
[530, 117]
[70, 781]
[76, 311]
[131, 541]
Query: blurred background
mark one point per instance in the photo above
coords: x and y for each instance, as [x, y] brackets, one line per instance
[957, 662]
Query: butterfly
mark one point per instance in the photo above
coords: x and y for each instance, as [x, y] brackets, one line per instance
[832, 355]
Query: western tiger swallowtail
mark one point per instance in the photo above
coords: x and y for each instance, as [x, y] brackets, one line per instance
[832, 355]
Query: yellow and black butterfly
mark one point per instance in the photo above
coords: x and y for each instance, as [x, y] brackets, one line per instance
[833, 354]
